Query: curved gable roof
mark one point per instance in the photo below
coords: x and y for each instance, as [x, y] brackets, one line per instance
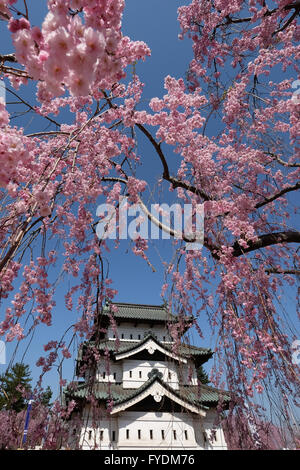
[120, 349]
[158, 389]
[151, 344]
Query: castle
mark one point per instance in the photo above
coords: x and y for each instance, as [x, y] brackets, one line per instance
[142, 391]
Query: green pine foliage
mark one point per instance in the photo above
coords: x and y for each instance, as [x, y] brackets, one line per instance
[13, 384]
[46, 397]
[202, 376]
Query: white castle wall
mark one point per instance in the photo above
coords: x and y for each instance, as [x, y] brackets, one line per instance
[134, 373]
[112, 374]
[148, 430]
[135, 332]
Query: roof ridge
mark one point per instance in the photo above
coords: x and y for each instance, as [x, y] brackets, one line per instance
[161, 306]
[187, 345]
[147, 337]
[214, 389]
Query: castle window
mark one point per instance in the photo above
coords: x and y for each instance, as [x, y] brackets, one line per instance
[115, 376]
[169, 375]
[140, 374]
[103, 375]
[90, 435]
[101, 435]
[164, 338]
[131, 336]
[174, 435]
[186, 435]
[151, 434]
[139, 336]
[113, 437]
[122, 336]
[127, 433]
[130, 374]
[163, 434]
[139, 434]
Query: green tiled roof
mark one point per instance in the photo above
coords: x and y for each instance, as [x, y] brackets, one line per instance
[100, 390]
[122, 346]
[181, 349]
[194, 350]
[203, 394]
[198, 395]
[141, 312]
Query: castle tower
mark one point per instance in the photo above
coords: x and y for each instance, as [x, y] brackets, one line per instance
[142, 392]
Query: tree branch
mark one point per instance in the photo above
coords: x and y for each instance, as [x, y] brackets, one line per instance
[8, 58]
[291, 19]
[282, 271]
[32, 108]
[176, 183]
[282, 162]
[173, 233]
[277, 195]
[267, 240]
[291, 6]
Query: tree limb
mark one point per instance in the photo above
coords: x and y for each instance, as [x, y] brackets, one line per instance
[8, 58]
[277, 195]
[282, 162]
[176, 183]
[282, 271]
[267, 240]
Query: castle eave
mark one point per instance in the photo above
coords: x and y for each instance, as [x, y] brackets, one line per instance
[149, 344]
[157, 389]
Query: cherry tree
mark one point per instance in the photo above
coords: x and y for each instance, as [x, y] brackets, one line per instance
[229, 127]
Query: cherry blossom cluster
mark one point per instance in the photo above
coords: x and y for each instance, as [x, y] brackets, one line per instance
[13, 149]
[4, 7]
[78, 52]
